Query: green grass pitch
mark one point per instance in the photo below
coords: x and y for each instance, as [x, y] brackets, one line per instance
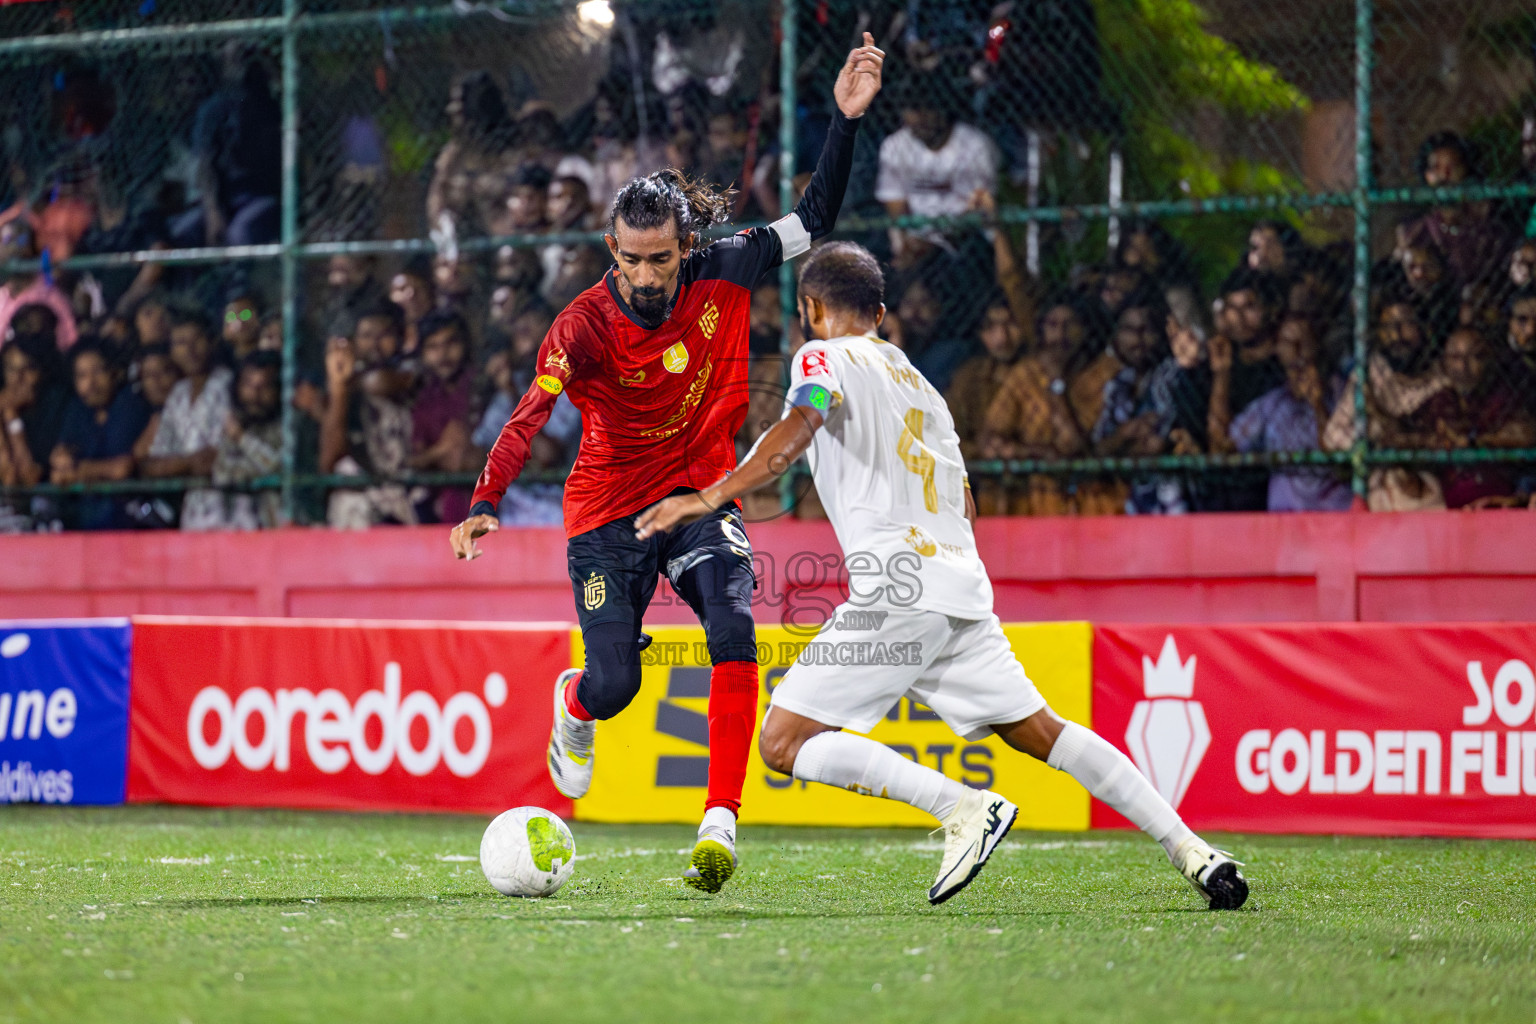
[183, 914]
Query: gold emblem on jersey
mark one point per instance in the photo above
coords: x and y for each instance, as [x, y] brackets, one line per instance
[920, 542]
[675, 359]
[556, 362]
[548, 383]
[594, 592]
[710, 321]
[630, 382]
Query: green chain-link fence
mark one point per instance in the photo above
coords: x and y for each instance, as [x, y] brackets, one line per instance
[1068, 185]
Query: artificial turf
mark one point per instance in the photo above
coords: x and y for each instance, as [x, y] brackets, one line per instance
[183, 914]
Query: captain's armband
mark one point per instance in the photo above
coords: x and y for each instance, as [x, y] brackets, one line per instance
[812, 395]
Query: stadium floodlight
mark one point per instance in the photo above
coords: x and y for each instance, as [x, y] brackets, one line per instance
[595, 12]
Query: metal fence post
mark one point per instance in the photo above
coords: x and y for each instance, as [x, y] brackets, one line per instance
[787, 110]
[788, 103]
[1361, 201]
[289, 257]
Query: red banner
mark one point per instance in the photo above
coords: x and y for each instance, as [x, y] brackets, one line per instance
[1368, 729]
[342, 714]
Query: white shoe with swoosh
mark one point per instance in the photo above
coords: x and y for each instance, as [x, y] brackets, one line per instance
[980, 821]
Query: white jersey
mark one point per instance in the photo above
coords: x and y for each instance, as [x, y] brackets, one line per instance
[888, 470]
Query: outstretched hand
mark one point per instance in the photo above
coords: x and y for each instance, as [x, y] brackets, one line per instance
[859, 80]
[470, 530]
[664, 515]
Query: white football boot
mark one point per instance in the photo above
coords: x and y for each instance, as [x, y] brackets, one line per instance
[1212, 872]
[570, 744]
[980, 821]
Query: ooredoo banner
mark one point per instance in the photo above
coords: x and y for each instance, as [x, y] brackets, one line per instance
[63, 711]
[344, 715]
[1356, 728]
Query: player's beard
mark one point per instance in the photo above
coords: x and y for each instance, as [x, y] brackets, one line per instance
[650, 304]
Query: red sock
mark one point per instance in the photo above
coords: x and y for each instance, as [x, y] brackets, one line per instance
[732, 717]
[572, 704]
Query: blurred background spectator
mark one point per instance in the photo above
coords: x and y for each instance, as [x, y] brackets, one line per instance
[251, 444]
[237, 143]
[192, 421]
[440, 415]
[101, 425]
[1290, 418]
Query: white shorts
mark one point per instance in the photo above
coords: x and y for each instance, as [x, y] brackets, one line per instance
[963, 669]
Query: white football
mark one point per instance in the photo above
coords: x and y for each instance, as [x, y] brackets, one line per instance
[527, 851]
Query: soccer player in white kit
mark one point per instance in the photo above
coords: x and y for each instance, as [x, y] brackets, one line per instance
[887, 465]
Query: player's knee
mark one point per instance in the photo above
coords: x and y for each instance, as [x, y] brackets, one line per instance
[731, 637]
[612, 675]
[606, 690]
[1035, 735]
[778, 747]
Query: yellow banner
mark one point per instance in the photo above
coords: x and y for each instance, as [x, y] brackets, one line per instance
[653, 759]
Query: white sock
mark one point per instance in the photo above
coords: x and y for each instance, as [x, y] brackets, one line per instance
[720, 819]
[1110, 776]
[874, 769]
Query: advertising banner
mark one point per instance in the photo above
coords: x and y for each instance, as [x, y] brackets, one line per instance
[344, 714]
[1353, 728]
[63, 711]
[652, 760]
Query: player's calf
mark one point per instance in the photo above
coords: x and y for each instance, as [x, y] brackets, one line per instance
[974, 821]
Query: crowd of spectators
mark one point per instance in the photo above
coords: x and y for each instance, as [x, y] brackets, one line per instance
[408, 369]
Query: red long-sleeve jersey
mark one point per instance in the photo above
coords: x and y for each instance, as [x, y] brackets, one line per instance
[660, 407]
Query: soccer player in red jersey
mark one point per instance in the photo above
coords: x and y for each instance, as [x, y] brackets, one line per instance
[655, 358]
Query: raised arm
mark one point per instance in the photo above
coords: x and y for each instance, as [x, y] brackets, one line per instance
[816, 214]
[340, 364]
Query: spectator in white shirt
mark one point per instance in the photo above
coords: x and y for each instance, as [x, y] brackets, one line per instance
[192, 422]
[931, 167]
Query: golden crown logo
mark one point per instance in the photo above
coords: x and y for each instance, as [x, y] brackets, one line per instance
[710, 321]
[594, 592]
[675, 359]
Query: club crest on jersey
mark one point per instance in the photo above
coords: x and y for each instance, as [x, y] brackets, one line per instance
[710, 321]
[594, 592]
[675, 359]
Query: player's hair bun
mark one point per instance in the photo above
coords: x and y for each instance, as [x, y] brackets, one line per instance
[669, 194]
